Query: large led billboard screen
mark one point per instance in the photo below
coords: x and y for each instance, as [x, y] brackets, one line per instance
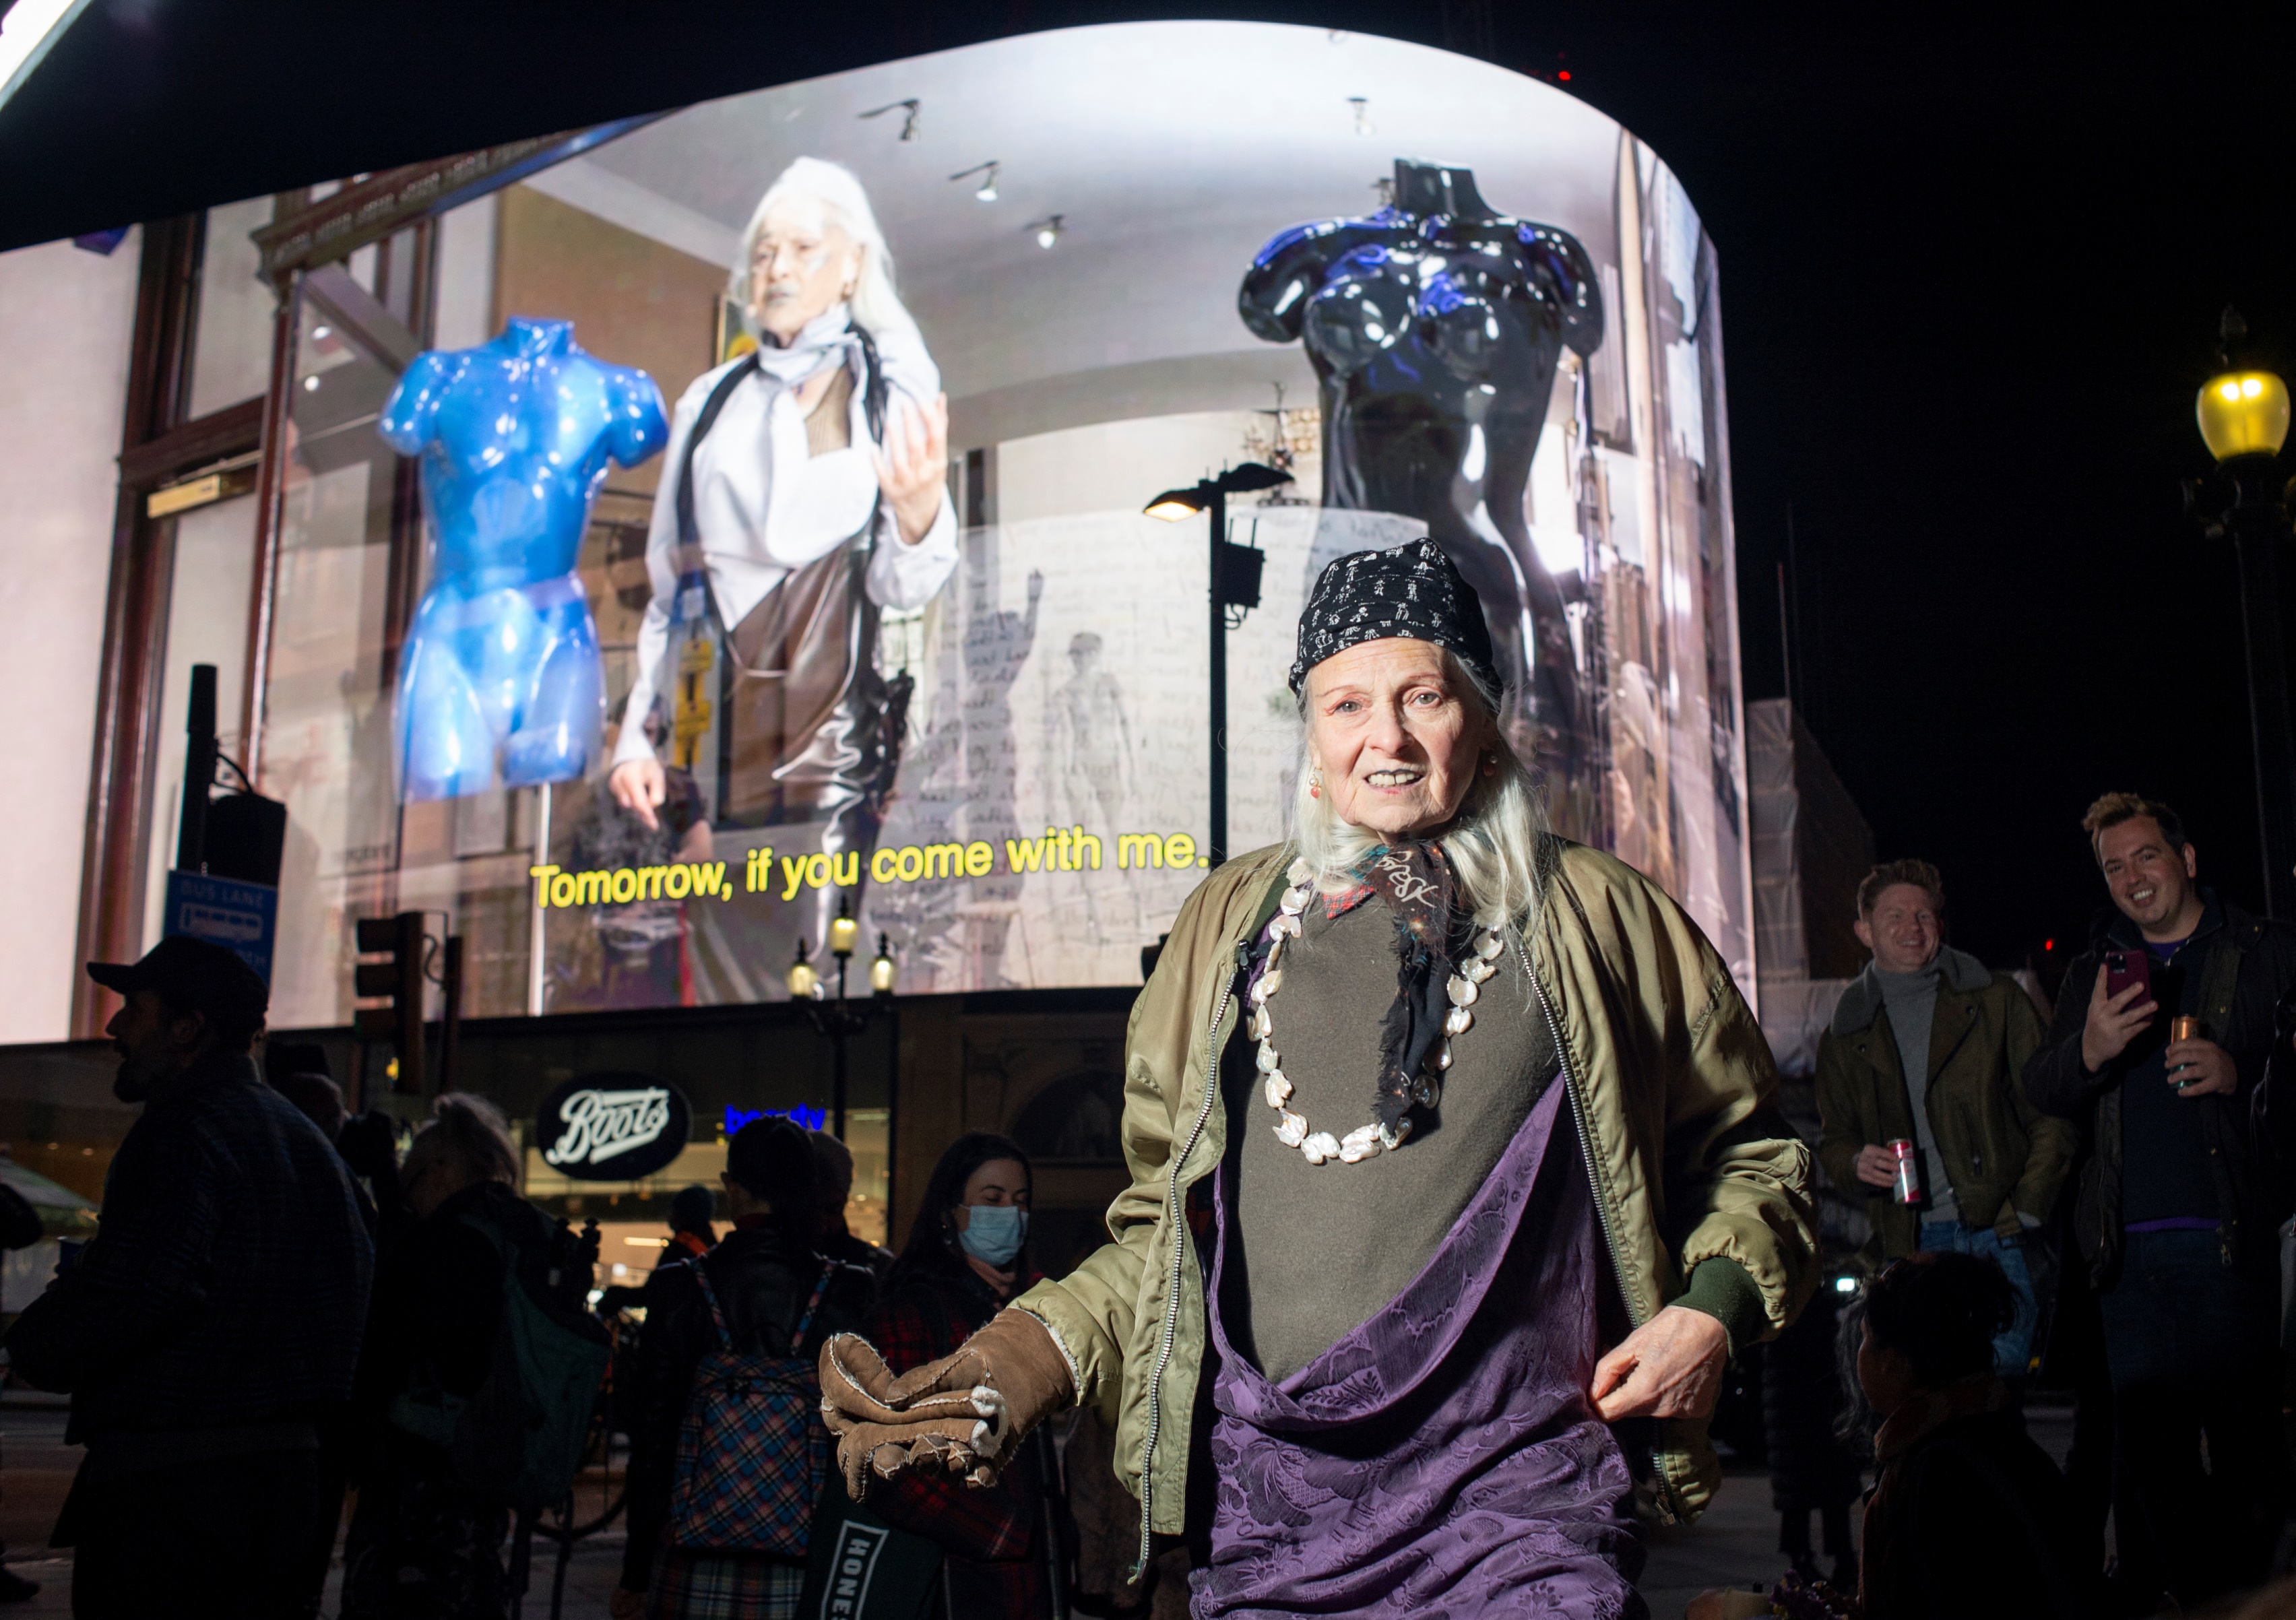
[943, 670]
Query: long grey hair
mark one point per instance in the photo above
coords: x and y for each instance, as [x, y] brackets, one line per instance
[877, 308]
[1493, 845]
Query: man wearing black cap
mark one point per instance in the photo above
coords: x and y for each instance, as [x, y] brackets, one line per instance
[214, 1320]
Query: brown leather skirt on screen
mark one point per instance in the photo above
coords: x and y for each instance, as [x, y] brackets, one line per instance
[806, 735]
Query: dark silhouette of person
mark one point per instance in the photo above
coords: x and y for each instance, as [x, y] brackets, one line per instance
[1435, 326]
[692, 1234]
[212, 1328]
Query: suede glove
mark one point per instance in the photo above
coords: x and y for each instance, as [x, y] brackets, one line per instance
[964, 1414]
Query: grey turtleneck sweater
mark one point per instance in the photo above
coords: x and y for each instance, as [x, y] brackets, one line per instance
[1911, 999]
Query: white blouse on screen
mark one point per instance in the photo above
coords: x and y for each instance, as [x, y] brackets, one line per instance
[764, 507]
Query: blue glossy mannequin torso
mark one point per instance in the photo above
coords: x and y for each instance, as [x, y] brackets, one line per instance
[499, 684]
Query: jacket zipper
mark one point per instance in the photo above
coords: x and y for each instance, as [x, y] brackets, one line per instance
[1579, 1117]
[1586, 1141]
[1179, 1262]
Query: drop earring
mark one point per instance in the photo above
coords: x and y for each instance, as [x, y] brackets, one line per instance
[1315, 784]
[1490, 764]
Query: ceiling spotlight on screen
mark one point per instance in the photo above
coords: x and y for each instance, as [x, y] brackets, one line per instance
[1048, 229]
[908, 119]
[987, 192]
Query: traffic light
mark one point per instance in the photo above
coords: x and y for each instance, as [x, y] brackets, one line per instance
[399, 977]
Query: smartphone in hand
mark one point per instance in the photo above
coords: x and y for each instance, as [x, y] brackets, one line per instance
[2123, 968]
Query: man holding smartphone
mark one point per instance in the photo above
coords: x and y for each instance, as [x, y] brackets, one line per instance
[2162, 1029]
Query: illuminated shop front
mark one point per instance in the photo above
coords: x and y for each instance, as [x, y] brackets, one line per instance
[1441, 297]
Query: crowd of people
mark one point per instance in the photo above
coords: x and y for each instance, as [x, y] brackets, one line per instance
[285, 1309]
[2119, 1174]
[1458, 1181]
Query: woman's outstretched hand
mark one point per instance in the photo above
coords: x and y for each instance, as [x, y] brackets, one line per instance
[963, 1413]
[639, 786]
[913, 463]
[1669, 1367]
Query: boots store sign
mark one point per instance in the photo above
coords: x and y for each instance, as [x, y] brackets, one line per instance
[612, 1127]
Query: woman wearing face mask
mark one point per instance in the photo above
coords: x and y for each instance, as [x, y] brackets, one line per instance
[966, 1256]
[805, 488]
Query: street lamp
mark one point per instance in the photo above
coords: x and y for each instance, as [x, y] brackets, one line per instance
[839, 1018]
[2243, 419]
[1234, 583]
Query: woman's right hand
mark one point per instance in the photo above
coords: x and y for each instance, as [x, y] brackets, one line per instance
[638, 785]
[964, 1414]
[623, 1604]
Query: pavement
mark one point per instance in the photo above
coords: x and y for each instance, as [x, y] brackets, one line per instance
[1734, 1543]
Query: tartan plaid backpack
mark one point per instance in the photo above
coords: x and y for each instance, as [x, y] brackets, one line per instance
[752, 1452]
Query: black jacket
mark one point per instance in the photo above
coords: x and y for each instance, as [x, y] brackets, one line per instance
[228, 1282]
[2240, 1006]
[1972, 1520]
[762, 1280]
[438, 1307]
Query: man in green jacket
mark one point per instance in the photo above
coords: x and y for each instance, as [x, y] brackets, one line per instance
[1926, 1046]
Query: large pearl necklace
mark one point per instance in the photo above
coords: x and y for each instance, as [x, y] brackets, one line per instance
[1291, 1127]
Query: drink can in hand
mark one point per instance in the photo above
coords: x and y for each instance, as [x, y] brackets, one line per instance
[2182, 1027]
[1908, 1187]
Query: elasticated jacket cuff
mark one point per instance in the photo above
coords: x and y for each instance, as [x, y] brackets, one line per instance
[1724, 1291]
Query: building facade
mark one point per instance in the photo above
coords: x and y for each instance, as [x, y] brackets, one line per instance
[1111, 269]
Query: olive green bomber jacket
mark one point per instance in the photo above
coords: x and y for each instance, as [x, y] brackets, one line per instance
[1671, 1080]
[2003, 1155]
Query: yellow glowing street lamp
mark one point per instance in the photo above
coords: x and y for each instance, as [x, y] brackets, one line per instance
[844, 932]
[2243, 418]
[2243, 413]
[804, 983]
[835, 1016]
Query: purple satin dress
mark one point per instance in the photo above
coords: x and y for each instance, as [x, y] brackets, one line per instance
[1442, 1459]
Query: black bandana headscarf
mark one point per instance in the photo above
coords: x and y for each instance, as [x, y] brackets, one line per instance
[1418, 887]
[1414, 591]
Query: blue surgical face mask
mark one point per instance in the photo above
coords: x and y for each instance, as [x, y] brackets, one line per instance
[994, 1232]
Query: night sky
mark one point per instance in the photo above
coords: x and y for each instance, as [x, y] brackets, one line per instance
[1972, 268]
[1971, 282]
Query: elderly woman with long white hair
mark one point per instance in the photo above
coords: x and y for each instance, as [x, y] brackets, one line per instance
[1455, 1182]
[805, 490]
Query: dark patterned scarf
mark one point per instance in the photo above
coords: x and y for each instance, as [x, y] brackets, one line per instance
[1419, 887]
